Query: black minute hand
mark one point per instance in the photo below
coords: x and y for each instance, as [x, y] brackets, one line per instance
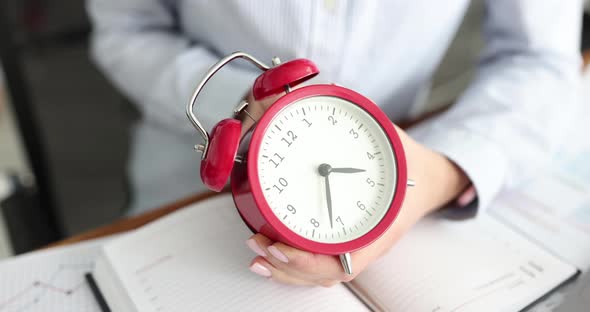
[329, 198]
[324, 170]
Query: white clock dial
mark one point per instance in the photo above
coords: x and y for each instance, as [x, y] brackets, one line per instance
[326, 130]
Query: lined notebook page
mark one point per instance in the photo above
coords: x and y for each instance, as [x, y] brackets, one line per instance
[470, 265]
[554, 210]
[196, 260]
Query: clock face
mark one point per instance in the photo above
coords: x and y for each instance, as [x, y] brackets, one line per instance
[327, 169]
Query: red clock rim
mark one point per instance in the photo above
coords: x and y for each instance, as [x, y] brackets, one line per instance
[293, 238]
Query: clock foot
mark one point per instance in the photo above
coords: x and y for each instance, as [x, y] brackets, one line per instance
[346, 261]
[411, 182]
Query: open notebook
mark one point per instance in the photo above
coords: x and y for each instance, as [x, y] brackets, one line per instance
[196, 260]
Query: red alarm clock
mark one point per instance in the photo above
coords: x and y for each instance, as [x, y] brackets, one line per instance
[323, 169]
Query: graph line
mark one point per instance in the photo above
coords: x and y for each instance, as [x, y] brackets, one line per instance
[46, 287]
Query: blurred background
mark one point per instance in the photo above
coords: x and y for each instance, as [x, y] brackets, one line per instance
[64, 130]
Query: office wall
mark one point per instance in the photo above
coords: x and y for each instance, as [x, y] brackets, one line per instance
[83, 121]
[11, 152]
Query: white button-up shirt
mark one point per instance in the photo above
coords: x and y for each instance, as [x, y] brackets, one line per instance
[501, 129]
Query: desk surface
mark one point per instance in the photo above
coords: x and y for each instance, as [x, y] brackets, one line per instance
[131, 223]
[127, 224]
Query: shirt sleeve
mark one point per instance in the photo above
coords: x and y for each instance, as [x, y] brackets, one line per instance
[512, 117]
[139, 46]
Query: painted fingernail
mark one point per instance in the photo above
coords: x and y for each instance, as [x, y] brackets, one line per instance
[260, 269]
[275, 252]
[255, 247]
[467, 197]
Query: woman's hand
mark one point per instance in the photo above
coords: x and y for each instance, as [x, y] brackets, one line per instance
[438, 181]
[256, 109]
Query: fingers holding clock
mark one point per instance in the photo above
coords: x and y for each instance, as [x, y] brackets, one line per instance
[323, 270]
[283, 257]
[282, 260]
[317, 267]
[303, 263]
[264, 268]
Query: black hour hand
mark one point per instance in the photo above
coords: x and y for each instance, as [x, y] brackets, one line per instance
[347, 170]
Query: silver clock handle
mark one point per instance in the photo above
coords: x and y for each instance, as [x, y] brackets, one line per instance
[214, 69]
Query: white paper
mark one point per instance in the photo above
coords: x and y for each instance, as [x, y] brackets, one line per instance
[48, 281]
[552, 210]
[197, 260]
[471, 265]
[573, 161]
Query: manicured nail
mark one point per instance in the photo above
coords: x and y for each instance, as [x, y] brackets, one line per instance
[255, 247]
[278, 254]
[260, 269]
[467, 197]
